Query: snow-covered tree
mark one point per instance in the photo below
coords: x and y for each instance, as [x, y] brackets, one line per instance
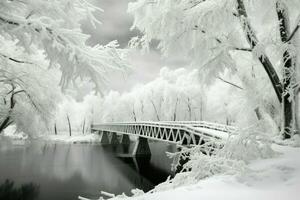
[78, 113]
[173, 96]
[26, 91]
[254, 40]
[37, 37]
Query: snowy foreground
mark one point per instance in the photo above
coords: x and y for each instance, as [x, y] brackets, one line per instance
[268, 179]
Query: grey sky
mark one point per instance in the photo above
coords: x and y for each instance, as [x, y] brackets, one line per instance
[116, 23]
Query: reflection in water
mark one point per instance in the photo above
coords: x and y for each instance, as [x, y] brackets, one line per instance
[66, 171]
[28, 191]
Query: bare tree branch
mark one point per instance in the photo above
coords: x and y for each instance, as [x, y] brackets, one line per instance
[233, 84]
[15, 60]
[243, 49]
[156, 112]
[293, 32]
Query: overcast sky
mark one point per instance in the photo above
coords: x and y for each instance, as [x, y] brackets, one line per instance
[116, 23]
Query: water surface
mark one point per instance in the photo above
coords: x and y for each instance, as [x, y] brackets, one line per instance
[64, 171]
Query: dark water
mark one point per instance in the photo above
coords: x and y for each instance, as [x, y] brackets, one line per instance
[62, 171]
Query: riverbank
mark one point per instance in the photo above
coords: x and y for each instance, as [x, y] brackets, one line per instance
[12, 133]
[62, 137]
[268, 179]
[78, 138]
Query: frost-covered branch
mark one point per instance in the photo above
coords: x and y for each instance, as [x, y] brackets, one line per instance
[263, 58]
[57, 30]
[219, 41]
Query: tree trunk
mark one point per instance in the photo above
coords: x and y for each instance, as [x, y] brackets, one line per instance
[55, 129]
[189, 108]
[297, 114]
[175, 110]
[83, 126]
[263, 58]
[8, 119]
[69, 123]
[288, 106]
[5, 124]
[258, 113]
[201, 109]
[155, 109]
[134, 114]
[282, 90]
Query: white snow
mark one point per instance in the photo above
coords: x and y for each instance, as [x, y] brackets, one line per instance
[87, 138]
[269, 179]
[12, 133]
[63, 136]
[220, 134]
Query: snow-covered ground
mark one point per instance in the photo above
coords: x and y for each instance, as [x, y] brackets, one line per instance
[269, 179]
[78, 138]
[63, 136]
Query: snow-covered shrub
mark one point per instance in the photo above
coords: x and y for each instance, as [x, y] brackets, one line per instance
[203, 164]
[249, 144]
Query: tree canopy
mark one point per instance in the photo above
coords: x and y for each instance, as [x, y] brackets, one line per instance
[254, 40]
[40, 41]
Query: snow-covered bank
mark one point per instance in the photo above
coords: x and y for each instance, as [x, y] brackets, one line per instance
[268, 179]
[12, 133]
[63, 136]
[87, 138]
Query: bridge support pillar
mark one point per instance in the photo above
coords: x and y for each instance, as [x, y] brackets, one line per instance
[125, 139]
[141, 147]
[104, 137]
[114, 138]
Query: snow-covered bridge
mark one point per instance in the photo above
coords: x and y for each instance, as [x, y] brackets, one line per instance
[185, 133]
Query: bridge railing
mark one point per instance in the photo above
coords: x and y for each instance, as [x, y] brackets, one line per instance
[190, 130]
[204, 124]
[201, 124]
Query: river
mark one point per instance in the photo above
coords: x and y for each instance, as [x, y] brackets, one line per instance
[56, 171]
